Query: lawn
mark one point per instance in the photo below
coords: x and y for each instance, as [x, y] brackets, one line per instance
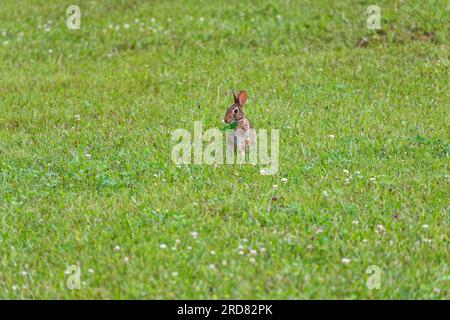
[88, 189]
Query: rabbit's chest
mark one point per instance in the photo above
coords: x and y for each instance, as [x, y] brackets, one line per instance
[244, 124]
[249, 135]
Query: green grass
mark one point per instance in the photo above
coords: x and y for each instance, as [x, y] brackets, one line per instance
[386, 104]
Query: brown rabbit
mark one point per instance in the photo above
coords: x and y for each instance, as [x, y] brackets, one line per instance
[235, 113]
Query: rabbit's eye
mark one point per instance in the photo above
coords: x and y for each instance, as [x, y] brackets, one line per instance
[235, 110]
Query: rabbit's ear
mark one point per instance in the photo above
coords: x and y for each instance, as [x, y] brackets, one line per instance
[242, 98]
[235, 96]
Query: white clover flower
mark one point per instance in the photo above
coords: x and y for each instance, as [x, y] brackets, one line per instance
[331, 136]
[91, 270]
[253, 252]
[346, 260]
[347, 181]
[174, 274]
[213, 252]
[325, 193]
[380, 229]
[77, 117]
[126, 26]
[284, 180]
[88, 156]
[194, 234]
[116, 248]
[252, 260]
[212, 266]
[163, 246]
[373, 179]
[355, 222]
[425, 226]
[345, 171]
[275, 186]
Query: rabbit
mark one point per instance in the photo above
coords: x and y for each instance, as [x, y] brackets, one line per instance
[244, 129]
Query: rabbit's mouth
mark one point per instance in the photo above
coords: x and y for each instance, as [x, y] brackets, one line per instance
[229, 120]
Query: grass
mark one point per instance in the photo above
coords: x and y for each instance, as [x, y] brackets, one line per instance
[312, 69]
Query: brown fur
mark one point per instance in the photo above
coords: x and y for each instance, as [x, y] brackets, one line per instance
[235, 113]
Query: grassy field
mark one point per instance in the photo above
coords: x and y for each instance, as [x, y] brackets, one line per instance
[86, 177]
